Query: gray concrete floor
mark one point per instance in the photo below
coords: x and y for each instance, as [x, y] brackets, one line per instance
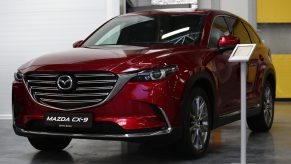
[272, 147]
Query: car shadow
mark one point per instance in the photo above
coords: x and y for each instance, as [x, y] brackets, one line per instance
[129, 153]
[260, 149]
[52, 157]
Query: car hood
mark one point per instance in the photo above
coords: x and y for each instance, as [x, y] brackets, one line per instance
[105, 58]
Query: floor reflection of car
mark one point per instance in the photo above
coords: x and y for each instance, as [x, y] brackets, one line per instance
[150, 74]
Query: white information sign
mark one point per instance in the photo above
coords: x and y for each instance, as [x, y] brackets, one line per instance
[242, 52]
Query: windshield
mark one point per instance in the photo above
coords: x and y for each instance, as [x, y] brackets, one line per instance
[140, 29]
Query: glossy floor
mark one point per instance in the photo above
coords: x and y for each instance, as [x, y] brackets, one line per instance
[272, 147]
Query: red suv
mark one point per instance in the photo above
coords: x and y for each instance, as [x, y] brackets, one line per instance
[161, 73]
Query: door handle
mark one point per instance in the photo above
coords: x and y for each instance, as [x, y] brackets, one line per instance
[253, 63]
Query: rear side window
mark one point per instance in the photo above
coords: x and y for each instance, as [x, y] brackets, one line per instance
[253, 35]
[238, 29]
[219, 28]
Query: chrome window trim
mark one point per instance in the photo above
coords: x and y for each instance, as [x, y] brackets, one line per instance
[122, 80]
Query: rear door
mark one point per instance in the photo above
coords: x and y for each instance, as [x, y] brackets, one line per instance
[256, 62]
[238, 29]
[247, 36]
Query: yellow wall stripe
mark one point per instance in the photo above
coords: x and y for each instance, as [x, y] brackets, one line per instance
[273, 11]
[282, 63]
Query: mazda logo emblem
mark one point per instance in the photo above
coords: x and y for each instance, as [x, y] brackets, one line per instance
[65, 82]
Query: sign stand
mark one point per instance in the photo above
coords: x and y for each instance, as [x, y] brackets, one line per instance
[242, 54]
[243, 114]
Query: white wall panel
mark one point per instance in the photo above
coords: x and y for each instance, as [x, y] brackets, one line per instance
[204, 4]
[239, 8]
[30, 28]
[243, 8]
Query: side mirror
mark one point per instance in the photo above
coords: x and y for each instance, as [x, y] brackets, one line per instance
[78, 44]
[227, 42]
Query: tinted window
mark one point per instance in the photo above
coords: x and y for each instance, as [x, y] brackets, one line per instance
[140, 29]
[218, 29]
[238, 30]
[181, 29]
[253, 35]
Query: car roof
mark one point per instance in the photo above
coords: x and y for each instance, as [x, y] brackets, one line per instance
[181, 11]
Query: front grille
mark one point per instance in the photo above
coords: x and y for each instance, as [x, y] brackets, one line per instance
[88, 89]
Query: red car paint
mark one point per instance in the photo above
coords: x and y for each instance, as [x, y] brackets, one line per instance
[130, 108]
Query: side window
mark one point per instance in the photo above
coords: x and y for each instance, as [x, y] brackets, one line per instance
[238, 30]
[218, 29]
[254, 36]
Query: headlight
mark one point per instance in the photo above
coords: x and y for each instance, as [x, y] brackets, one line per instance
[18, 76]
[156, 73]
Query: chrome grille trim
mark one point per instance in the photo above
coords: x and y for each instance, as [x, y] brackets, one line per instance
[97, 81]
[41, 81]
[92, 75]
[43, 75]
[93, 88]
[71, 95]
[43, 89]
[71, 101]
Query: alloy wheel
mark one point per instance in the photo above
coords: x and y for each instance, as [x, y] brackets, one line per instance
[199, 125]
[268, 106]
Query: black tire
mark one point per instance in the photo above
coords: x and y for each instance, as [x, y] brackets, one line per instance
[49, 143]
[263, 121]
[196, 129]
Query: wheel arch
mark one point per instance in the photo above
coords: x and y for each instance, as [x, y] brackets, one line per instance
[270, 76]
[205, 81]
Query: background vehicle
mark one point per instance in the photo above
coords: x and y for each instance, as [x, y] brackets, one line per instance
[161, 73]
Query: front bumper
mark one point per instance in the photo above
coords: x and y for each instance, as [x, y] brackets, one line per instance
[26, 133]
[139, 109]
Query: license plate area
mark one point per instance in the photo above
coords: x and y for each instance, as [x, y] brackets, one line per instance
[68, 120]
